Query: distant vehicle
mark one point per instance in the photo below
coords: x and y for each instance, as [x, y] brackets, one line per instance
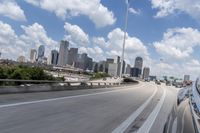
[157, 82]
[104, 79]
[168, 83]
[185, 115]
[147, 80]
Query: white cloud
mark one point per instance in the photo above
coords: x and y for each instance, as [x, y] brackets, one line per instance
[133, 11]
[99, 41]
[35, 35]
[76, 35]
[93, 9]
[167, 7]
[100, 48]
[10, 9]
[12, 45]
[178, 43]
[134, 47]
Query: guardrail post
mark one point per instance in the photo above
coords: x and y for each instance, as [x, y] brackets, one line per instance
[91, 84]
[99, 84]
[105, 84]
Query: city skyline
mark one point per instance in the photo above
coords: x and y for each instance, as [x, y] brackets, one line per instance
[103, 38]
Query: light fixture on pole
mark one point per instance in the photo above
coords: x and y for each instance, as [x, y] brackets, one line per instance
[124, 39]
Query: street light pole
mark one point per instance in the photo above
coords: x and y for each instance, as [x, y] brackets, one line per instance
[124, 39]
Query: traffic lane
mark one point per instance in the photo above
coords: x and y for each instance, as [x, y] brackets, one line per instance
[170, 100]
[96, 113]
[24, 97]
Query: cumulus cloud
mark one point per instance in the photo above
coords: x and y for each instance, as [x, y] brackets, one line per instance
[10, 9]
[13, 45]
[134, 11]
[134, 46]
[93, 9]
[76, 35]
[178, 43]
[167, 7]
[177, 49]
[102, 47]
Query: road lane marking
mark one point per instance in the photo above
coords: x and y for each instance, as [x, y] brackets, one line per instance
[182, 121]
[68, 97]
[145, 128]
[122, 127]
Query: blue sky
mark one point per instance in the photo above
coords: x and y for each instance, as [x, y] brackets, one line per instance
[167, 29]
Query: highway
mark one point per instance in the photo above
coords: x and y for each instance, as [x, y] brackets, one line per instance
[141, 108]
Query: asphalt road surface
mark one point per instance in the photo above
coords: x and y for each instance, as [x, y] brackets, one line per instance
[141, 108]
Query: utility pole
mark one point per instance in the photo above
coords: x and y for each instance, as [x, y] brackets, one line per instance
[124, 39]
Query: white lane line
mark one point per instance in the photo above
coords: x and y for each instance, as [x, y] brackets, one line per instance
[183, 118]
[174, 126]
[68, 97]
[145, 128]
[122, 127]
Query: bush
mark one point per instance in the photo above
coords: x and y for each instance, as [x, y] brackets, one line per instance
[99, 75]
[25, 73]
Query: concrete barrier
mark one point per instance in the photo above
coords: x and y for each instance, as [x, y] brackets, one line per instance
[53, 86]
[46, 87]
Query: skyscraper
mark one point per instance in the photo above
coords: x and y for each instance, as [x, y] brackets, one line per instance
[41, 51]
[146, 72]
[54, 57]
[63, 53]
[138, 62]
[137, 70]
[72, 57]
[33, 54]
[186, 77]
[128, 69]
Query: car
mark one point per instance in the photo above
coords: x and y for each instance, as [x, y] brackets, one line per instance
[168, 83]
[157, 82]
[185, 115]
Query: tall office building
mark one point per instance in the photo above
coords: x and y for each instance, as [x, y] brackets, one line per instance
[82, 61]
[137, 71]
[95, 67]
[146, 72]
[113, 69]
[63, 53]
[89, 63]
[116, 59]
[123, 67]
[33, 55]
[186, 77]
[41, 51]
[138, 62]
[128, 69]
[54, 57]
[72, 57]
[108, 61]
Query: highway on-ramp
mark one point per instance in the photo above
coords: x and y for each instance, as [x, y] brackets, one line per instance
[137, 108]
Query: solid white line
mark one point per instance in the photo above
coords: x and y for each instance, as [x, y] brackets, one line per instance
[145, 128]
[68, 97]
[183, 118]
[174, 126]
[122, 127]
